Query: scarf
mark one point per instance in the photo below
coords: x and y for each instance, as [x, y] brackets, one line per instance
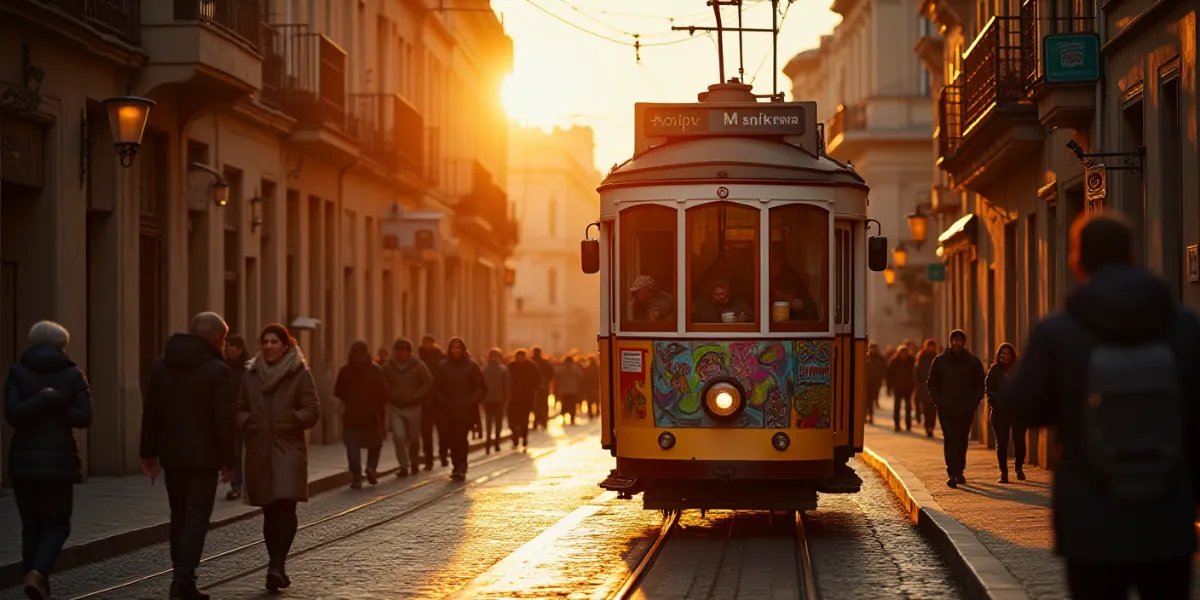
[272, 375]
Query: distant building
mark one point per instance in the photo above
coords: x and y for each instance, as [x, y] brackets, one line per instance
[873, 94]
[552, 183]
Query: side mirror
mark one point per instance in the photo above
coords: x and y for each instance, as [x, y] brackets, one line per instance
[877, 253]
[589, 256]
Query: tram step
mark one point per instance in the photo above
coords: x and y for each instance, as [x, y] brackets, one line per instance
[618, 483]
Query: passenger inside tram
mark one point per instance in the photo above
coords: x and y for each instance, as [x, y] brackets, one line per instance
[649, 303]
[721, 306]
[788, 285]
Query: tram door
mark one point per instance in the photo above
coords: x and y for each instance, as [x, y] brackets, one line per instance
[844, 413]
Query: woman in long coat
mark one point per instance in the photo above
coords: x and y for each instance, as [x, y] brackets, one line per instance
[363, 390]
[277, 403]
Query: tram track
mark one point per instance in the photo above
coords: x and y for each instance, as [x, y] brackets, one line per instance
[353, 510]
[633, 582]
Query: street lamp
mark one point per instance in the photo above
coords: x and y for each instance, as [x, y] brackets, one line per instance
[918, 224]
[889, 276]
[220, 187]
[900, 256]
[127, 115]
[510, 276]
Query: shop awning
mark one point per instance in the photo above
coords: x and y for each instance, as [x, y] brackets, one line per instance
[962, 231]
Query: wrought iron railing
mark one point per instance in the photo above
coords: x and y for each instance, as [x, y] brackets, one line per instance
[242, 18]
[383, 123]
[949, 126]
[992, 69]
[274, 66]
[307, 74]
[486, 200]
[433, 155]
[847, 118]
[120, 18]
[1035, 26]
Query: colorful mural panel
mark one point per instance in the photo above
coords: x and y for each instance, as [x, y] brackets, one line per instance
[632, 404]
[771, 372]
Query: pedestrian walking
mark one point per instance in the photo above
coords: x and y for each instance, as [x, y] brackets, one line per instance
[541, 400]
[568, 385]
[460, 389]
[591, 386]
[526, 380]
[499, 390]
[235, 357]
[956, 386]
[1003, 424]
[1114, 375]
[363, 391]
[432, 415]
[277, 404]
[188, 431]
[876, 374]
[929, 351]
[46, 397]
[410, 385]
[900, 383]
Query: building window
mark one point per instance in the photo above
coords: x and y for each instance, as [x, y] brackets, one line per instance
[648, 268]
[723, 262]
[552, 285]
[799, 267]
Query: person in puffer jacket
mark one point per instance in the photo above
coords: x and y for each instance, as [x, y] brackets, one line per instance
[460, 389]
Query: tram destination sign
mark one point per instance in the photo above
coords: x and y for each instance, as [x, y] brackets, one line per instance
[692, 120]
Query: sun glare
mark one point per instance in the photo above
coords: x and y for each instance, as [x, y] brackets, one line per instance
[524, 102]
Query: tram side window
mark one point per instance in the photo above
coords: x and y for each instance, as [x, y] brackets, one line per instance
[648, 243]
[723, 264]
[799, 268]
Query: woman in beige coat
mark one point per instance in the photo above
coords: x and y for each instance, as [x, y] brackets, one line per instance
[277, 403]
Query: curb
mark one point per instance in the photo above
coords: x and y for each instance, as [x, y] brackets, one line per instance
[134, 539]
[981, 575]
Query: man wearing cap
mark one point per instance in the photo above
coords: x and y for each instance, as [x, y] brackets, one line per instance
[956, 386]
[649, 303]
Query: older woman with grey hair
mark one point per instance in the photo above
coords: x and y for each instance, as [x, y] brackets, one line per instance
[46, 397]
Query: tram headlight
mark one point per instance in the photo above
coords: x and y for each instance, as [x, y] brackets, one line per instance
[666, 440]
[781, 441]
[723, 399]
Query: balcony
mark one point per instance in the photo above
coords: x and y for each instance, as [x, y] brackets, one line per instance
[949, 126]
[847, 119]
[1070, 105]
[392, 134]
[210, 51]
[483, 210]
[119, 18]
[304, 75]
[999, 126]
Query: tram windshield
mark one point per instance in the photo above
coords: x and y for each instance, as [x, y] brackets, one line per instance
[798, 268]
[723, 246]
[648, 242]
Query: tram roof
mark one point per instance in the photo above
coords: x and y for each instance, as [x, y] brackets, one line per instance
[729, 159]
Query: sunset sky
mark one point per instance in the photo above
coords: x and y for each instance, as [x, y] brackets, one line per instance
[568, 74]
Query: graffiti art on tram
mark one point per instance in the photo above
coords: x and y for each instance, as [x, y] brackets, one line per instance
[681, 369]
[812, 399]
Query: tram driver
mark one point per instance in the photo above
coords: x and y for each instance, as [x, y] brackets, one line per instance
[649, 303]
[722, 306]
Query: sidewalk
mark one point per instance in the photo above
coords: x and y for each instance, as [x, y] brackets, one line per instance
[997, 538]
[120, 514]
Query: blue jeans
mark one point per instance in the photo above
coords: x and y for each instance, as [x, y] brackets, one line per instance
[45, 522]
[352, 438]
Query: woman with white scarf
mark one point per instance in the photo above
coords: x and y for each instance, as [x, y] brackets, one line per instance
[277, 403]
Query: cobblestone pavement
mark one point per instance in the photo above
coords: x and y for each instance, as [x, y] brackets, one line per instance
[1012, 520]
[155, 558]
[864, 547]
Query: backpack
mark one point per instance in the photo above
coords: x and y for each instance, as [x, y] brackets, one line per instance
[1133, 421]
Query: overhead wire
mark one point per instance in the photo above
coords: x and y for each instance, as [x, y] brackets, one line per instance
[763, 62]
[636, 43]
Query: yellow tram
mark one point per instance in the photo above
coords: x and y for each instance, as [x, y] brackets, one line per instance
[733, 256]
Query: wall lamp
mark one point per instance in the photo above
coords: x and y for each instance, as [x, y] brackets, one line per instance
[220, 187]
[256, 219]
[918, 223]
[127, 115]
[900, 255]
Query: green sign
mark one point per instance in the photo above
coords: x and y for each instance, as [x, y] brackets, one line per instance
[936, 272]
[1071, 57]
[688, 120]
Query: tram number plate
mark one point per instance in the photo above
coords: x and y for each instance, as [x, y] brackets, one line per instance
[631, 361]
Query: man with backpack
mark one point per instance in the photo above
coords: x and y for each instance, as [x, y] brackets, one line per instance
[1116, 375]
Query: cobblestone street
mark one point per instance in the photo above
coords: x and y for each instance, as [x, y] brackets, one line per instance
[537, 526]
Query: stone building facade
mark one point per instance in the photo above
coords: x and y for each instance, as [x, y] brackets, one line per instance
[552, 184]
[364, 146]
[1007, 185]
[873, 95]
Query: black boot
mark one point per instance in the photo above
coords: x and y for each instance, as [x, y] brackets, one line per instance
[1004, 475]
[1020, 474]
[186, 590]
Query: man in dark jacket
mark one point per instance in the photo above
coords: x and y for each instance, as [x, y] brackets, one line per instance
[431, 413]
[235, 357]
[526, 379]
[1109, 546]
[922, 399]
[188, 429]
[45, 397]
[460, 389]
[956, 386]
[900, 383]
[410, 384]
[541, 400]
[876, 373]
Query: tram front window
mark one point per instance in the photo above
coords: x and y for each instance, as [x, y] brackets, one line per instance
[799, 268]
[723, 267]
[648, 242]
